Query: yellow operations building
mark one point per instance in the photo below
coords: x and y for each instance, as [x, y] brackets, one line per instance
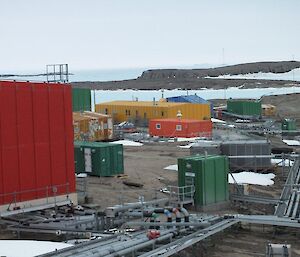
[146, 110]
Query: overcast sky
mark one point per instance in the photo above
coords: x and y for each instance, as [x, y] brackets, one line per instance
[94, 34]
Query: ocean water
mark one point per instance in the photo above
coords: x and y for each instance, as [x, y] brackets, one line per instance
[106, 75]
[83, 75]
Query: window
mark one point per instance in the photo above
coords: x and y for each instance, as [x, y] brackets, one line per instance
[136, 113]
[106, 111]
[157, 125]
[145, 115]
[128, 112]
[162, 114]
[178, 127]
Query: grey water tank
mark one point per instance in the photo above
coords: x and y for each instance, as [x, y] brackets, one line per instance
[211, 148]
[256, 154]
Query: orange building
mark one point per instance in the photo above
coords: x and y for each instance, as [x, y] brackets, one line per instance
[180, 128]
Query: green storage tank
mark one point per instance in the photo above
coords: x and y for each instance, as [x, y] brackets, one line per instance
[209, 175]
[288, 125]
[98, 159]
[244, 107]
[81, 99]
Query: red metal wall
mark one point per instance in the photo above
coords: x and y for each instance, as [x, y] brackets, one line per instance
[190, 128]
[36, 140]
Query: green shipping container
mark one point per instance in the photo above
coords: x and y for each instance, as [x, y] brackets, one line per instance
[79, 159]
[118, 158]
[209, 175]
[247, 108]
[81, 98]
[288, 125]
[98, 159]
[116, 155]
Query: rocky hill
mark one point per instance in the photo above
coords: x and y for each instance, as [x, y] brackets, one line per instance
[245, 68]
[196, 78]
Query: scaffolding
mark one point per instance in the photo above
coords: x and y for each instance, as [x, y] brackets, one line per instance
[57, 73]
[180, 196]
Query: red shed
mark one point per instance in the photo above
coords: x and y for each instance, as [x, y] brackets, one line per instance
[180, 128]
[36, 144]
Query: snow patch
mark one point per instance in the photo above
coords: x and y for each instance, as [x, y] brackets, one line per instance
[244, 177]
[217, 120]
[292, 142]
[81, 175]
[127, 143]
[253, 178]
[280, 162]
[28, 248]
[185, 139]
[172, 167]
[186, 146]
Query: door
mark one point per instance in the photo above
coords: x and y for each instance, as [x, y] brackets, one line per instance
[188, 191]
[88, 159]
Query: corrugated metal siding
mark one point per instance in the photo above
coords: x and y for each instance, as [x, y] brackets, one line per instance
[123, 111]
[249, 108]
[191, 111]
[202, 149]
[106, 159]
[210, 177]
[189, 128]
[240, 148]
[81, 99]
[36, 140]
[117, 158]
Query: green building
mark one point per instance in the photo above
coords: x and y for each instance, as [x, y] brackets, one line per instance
[81, 99]
[244, 107]
[98, 159]
[209, 175]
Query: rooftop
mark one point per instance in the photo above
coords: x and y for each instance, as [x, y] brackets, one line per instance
[179, 120]
[143, 103]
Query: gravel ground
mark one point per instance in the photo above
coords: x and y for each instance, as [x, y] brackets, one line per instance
[146, 164]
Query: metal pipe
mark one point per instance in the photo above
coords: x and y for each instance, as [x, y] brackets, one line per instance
[128, 206]
[138, 214]
[168, 214]
[128, 250]
[123, 247]
[154, 218]
[177, 214]
[186, 214]
[203, 224]
[296, 206]
[250, 156]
